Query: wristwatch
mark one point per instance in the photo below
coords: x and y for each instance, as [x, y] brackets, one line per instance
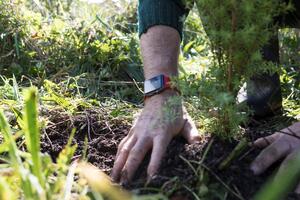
[157, 84]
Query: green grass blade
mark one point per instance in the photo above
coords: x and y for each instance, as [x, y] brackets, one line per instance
[14, 155]
[15, 88]
[285, 181]
[32, 133]
[9, 140]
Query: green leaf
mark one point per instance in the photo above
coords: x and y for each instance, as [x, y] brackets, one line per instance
[188, 46]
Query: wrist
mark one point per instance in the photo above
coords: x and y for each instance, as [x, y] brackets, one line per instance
[161, 97]
[159, 84]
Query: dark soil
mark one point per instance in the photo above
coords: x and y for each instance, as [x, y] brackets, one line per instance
[176, 177]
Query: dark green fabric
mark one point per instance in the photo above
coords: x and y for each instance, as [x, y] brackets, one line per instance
[173, 12]
[161, 12]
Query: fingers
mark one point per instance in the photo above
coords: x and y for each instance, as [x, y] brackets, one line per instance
[122, 157]
[121, 145]
[266, 141]
[268, 156]
[159, 149]
[190, 131]
[136, 156]
[124, 140]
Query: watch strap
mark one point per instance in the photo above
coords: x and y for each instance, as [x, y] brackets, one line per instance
[167, 84]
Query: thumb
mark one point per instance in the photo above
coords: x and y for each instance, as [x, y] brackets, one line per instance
[190, 131]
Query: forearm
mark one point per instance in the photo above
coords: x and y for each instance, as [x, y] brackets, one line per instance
[160, 28]
[160, 50]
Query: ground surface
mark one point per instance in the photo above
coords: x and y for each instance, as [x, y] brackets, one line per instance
[181, 176]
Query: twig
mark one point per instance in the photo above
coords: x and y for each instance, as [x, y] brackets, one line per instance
[237, 190]
[8, 54]
[106, 121]
[222, 182]
[53, 130]
[119, 82]
[193, 193]
[45, 133]
[206, 150]
[137, 86]
[189, 164]
[89, 127]
[55, 124]
[94, 132]
[109, 128]
[247, 153]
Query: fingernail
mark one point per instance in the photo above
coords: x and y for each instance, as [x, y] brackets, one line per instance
[124, 178]
[254, 169]
[113, 179]
[113, 176]
[124, 182]
[150, 178]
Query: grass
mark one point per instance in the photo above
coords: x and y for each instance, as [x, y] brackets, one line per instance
[32, 133]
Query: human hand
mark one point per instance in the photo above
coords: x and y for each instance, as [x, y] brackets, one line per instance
[282, 144]
[162, 118]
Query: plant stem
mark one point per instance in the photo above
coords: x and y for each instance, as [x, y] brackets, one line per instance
[235, 153]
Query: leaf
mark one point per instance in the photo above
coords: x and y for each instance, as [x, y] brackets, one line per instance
[188, 46]
[100, 183]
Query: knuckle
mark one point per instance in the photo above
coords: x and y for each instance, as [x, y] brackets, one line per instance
[277, 135]
[136, 152]
[133, 160]
[124, 151]
[260, 142]
[147, 138]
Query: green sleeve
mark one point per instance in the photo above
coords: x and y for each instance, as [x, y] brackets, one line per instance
[162, 12]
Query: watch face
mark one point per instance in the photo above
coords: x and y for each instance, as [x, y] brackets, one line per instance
[153, 85]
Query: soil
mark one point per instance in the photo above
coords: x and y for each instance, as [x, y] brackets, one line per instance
[176, 177]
